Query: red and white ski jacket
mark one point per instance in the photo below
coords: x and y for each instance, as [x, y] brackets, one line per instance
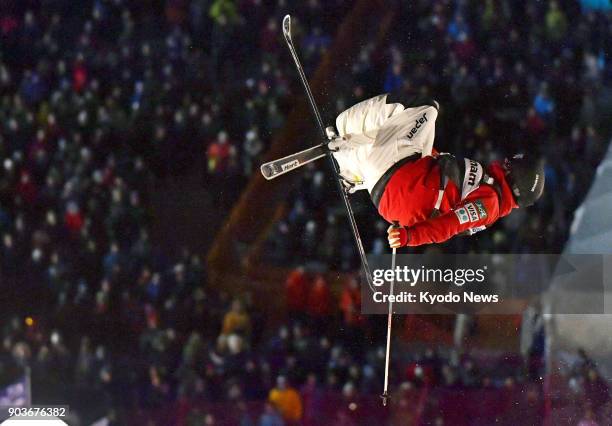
[411, 194]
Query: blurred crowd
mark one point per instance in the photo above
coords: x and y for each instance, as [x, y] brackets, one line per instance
[510, 77]
[99, 102]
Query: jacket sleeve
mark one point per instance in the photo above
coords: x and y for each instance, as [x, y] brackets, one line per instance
[473, 214]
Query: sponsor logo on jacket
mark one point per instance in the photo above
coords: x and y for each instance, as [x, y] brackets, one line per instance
[472, 172]
[417, 125]
[471, 212]
[482, 211]
[472, 177]
[472, 231]
[462, 215]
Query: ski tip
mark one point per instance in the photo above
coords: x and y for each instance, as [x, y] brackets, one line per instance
[287, 25]
[267, 171]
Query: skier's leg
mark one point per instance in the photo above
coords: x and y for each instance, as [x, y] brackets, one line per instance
[377, 135]
[414, 101]
[366, 117]
[415, 106]
[404, 135]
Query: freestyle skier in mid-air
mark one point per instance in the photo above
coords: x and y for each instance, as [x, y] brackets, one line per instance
[386, 148]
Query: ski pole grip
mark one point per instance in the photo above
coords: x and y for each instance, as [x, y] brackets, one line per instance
[330, 132]
[396, 224]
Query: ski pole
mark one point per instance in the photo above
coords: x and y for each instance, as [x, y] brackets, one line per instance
[385, 395]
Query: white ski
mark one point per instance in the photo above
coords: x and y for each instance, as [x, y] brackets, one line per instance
[283, 165]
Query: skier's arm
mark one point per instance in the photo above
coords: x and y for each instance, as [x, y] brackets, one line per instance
[472, 215]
